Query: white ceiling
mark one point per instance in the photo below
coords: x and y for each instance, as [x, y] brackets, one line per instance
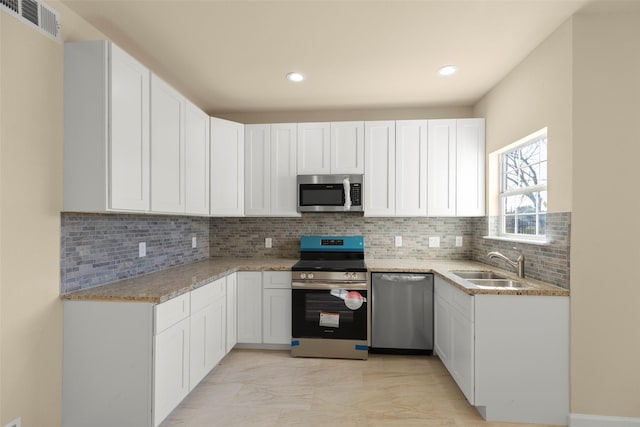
[232, 56]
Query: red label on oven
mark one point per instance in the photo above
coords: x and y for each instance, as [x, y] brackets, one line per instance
[353, 300]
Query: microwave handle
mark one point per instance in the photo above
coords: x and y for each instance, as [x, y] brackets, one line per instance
[347, 193]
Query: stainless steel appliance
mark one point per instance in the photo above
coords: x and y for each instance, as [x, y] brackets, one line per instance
[330, 298]
[330, 193]
[402, 313]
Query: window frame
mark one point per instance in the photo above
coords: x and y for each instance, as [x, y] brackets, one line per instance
[503, 194]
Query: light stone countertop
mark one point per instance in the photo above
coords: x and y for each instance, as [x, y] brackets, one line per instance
[166, 284]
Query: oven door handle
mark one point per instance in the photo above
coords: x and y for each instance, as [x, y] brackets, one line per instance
[330, 285]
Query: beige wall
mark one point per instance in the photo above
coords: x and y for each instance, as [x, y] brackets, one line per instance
[31, 138]
[537, 93]
[605, 256]
[568, 84]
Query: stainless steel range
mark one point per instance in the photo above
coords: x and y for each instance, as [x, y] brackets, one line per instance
[330, 298]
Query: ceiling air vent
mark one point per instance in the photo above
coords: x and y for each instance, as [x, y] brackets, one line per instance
[35, 13]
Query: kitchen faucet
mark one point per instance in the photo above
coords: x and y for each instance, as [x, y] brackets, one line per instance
[517, 264]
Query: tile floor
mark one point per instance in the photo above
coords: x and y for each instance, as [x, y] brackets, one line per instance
[270, 388]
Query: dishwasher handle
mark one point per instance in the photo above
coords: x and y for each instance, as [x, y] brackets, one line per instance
[403, 277]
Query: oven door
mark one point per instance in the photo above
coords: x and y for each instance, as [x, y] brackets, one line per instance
[335, 312]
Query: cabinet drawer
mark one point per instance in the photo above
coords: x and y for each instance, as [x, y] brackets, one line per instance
[171, 312]
[276, 280]
[207, 294]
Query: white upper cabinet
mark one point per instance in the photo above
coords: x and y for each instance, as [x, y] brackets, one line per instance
[227, 168]
[196, 161]
[167, 148]
[411, 168]
[270, 170]
[331, 148]
[347, 147]
[470, 167]
[257, 170]
[106, 127]
[441, 168]
[314, 148]
[284, 150]
[380, 166]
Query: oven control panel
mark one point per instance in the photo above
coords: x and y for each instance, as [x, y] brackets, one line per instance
[333, 276]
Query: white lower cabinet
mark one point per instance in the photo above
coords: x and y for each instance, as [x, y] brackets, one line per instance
[208, 329]
[170, 369]
[232, 311]
[509, 354]
[276, 304]
[264, 308]
[454, 334]
[131, 363]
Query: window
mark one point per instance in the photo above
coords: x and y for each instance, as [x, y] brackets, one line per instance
[523, 189]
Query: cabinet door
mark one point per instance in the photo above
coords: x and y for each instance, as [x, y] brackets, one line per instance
[129, 143]
[167, 148]
[442, 330]
[171, 369]
[196, 161]
[411, 168]
[470, 167]
[314, 148]
[227, 168]
[232, 312]
[250, 307]
[201, 345]
[277, 316]
[380, 169]
[441, 168]
[218, 333]
[257, 172]
[347, 147]
[462, 354]
[284, 155]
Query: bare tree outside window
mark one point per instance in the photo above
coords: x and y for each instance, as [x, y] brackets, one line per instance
[523, 193]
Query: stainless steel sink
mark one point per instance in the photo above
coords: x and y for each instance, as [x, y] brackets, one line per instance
[496, 283]
[483, 275]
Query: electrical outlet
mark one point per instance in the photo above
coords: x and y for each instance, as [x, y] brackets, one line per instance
[15, 423]
[142, 249]
[398, 241]
[194, 242]
[458, 241]
[268, 243]
[434, 242]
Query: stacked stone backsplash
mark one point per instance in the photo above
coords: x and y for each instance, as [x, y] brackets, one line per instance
[549, 262]
[103, 248]
[244, 237]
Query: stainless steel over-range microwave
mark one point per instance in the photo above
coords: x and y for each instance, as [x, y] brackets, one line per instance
[330, 193]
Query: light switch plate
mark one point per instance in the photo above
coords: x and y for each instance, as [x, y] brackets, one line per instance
[458, 241]
[142, 249]
[194, 242]
[434, 242]
[398, 241]
[268, 243]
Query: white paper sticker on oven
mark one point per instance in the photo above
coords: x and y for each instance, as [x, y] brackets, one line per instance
[352, 299]
[329, 320]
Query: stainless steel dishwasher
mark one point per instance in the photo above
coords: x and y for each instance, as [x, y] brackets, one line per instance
[402, 313]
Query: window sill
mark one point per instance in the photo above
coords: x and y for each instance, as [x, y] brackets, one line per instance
[517, 240]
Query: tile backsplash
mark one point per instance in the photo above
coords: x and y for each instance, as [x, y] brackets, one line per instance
[102, 248]
[244, 237]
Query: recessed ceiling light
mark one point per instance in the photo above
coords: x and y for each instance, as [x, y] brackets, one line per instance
[295, 77]
[448, 70]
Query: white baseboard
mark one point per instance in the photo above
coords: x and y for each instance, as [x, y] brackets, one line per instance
[583, 420]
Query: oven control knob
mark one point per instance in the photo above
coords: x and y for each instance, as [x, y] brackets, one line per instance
[346, 275]
[303, 275]
[310, 275]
